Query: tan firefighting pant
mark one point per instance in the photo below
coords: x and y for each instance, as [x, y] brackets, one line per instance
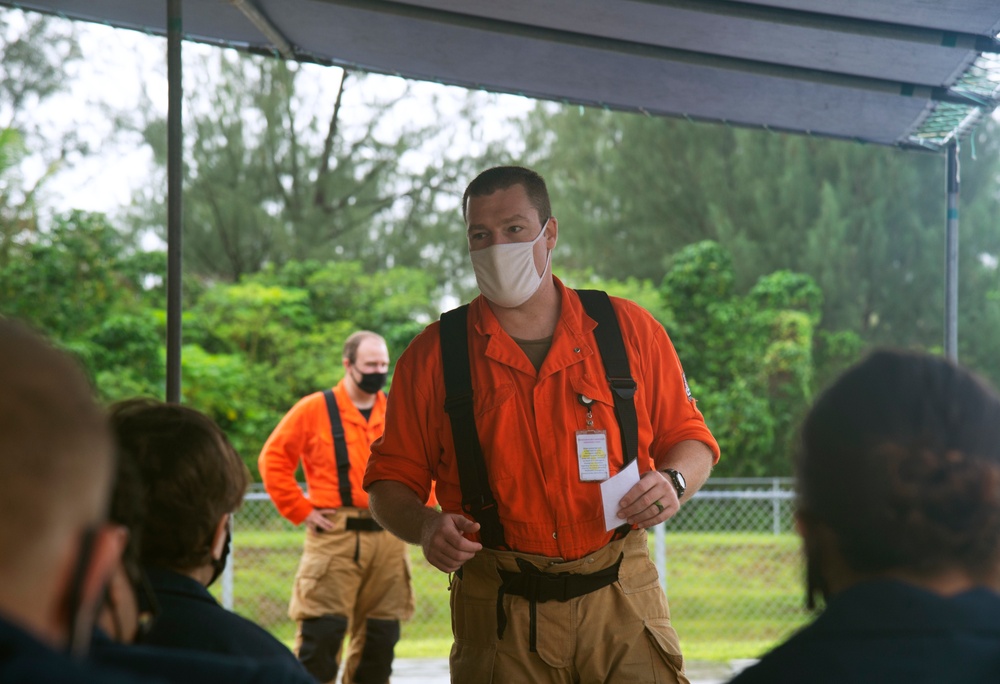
[620, 633]
[360, 575]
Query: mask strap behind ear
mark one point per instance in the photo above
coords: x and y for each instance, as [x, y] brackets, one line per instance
[149, 607]
[80, 634]
[219, 564]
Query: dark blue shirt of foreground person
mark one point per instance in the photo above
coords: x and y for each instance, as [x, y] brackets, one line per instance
[189, 617]
[194, 667]
[26, 660]
[887, 631]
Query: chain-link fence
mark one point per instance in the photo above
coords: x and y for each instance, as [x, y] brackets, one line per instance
[729, 561]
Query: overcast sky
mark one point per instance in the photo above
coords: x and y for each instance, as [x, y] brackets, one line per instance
[118, 65]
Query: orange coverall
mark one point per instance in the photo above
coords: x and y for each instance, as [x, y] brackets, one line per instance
[347, 579]
[527, 421]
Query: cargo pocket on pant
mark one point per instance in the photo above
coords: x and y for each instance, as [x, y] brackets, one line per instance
[474, 622]
[411, 598]
[309, 596]
[666, 644]
[645, 579]
[472, 663]
[475, 632]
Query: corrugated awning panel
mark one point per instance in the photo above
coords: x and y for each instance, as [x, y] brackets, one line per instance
[907, 73]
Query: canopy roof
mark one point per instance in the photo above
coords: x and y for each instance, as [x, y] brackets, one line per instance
[909, 73]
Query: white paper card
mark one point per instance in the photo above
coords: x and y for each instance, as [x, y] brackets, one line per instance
[612, 491]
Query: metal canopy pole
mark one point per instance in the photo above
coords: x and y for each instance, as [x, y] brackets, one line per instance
[951, 257]
[175, 177]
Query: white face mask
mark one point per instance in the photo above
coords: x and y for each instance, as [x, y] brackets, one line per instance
[506, 272]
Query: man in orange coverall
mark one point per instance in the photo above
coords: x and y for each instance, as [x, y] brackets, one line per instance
[353, 577]
[569, 594]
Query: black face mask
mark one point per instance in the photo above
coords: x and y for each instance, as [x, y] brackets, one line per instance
[219, 564]
[371, 383]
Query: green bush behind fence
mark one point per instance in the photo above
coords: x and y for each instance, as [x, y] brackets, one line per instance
[730, 563]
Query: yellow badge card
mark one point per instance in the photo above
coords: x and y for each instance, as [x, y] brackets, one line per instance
[592, 455]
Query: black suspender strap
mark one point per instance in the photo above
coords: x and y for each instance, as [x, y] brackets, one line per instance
[477, 496]
[612, 348]
[339, 449]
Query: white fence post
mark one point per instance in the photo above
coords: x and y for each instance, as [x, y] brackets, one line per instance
[660, 552]
[227, 572]
[776, 506]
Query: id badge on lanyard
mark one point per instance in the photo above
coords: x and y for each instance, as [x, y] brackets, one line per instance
[592, 449]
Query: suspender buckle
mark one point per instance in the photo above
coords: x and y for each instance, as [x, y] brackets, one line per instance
[623, 387]
[486, 512]
[457, 401]
[479, 505]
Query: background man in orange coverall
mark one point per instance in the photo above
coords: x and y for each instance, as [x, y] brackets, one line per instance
[353, 575]
[568, 600]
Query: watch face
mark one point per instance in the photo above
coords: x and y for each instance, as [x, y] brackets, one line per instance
[680, 479]
[680, 484]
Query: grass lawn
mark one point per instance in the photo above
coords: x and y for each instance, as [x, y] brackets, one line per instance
[732, 595]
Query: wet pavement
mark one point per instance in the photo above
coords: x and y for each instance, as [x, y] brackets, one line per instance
[435, 671]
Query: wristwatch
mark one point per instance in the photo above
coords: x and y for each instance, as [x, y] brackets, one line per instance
[680, 484]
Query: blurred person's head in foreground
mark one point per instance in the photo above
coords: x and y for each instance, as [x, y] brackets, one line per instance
[193, 481]
[56, 463]
[898, 477]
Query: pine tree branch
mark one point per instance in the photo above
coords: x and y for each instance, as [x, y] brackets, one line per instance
[319, 198]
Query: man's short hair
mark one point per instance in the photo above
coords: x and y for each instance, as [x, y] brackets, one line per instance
[56, 451]
[503, 177]
[191, 473]
[354, 341]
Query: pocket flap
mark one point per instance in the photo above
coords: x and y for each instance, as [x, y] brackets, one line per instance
[489, 398]
[665, 638]
[313, 566]
[598, 391]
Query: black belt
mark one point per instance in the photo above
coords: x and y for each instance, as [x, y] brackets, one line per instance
[539, 587]
[362, 525]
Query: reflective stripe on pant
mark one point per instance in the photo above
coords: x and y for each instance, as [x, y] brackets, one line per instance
[355, 574]
[620, 633]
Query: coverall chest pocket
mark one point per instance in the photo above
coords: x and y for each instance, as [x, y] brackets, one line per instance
[488, 400]
[602, 410]
[501, 429]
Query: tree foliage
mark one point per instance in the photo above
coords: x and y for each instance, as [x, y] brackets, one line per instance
[315, 206]
[273, 176]
[748, 358]
[252, 348]
[865, 223]
[34, 54]
[84, 284]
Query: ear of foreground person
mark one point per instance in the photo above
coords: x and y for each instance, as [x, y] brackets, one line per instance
[898, 485]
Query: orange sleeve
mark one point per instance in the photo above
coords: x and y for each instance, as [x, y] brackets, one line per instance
[408, 450]
[673, 412]
[280, 458]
